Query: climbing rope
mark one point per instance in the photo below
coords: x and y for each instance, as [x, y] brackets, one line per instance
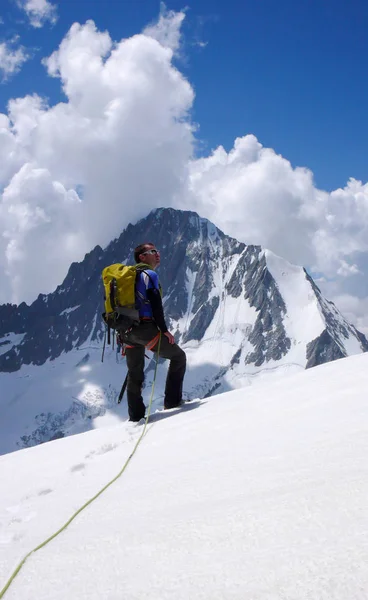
[54, 535]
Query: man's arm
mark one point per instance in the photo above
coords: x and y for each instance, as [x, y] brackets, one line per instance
[154, 297]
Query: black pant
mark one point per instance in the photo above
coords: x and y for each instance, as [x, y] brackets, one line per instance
[140, 336]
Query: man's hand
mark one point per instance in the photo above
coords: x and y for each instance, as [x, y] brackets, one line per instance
[170, 337]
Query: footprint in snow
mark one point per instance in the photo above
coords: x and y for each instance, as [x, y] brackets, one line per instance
[103, 450]
[44, 492]
[78, 467]
[106, 448]
[23, 519]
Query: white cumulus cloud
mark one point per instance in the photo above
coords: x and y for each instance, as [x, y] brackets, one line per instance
[12, 57]
[39, 12]
[122, 139]
[167, 29]
[39, 217]
[259, 197]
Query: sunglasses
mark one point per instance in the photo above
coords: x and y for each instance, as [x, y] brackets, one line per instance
[153, 251]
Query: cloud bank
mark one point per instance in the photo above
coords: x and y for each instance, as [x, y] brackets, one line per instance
[75, 174]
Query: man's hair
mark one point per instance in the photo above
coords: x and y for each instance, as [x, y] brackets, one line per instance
[141, 248]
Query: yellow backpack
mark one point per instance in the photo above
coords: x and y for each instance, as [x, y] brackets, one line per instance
[120, 298]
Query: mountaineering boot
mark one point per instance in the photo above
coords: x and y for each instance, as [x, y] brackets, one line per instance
[169, 406]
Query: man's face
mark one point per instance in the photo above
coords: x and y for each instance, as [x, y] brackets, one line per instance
[150, 256]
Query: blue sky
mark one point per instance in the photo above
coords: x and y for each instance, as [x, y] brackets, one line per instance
[292, 73]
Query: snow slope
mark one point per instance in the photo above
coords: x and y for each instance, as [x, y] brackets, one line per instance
[257, 494]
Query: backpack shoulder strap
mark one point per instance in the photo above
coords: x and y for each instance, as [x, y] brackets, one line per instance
[141, 268]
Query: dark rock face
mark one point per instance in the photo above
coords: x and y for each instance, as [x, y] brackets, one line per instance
[202, 320]
[195, 256]
[268, 335]
[254, 279]
[323, 349]
[363, 340]
[56, 322]
[328, 345]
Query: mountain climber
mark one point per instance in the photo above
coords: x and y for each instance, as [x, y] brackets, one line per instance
[147, 333]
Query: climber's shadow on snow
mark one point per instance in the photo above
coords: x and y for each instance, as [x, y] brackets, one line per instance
[163, 414]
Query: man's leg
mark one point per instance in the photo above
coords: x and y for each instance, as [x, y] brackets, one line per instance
[135, 364]
[176, 372]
